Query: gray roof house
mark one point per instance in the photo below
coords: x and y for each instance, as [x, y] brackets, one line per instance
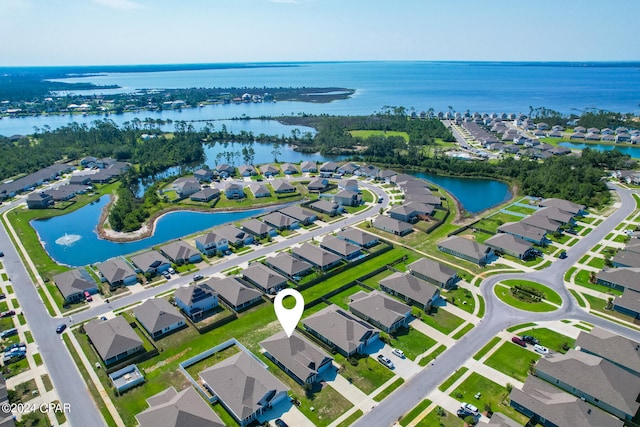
[620, 278]
[264, 278]
[247, 170]
[303, 216]
[225, 170]
[317, 256]
[113, 339]
[348, 251]
[151, 262]
[341, 330]
[318, 184]
[539, 221]
[325, 207]
[617, 349]
[565, 205]
[74, 283]
[593, 379]
[244, 386]
[233, 190]
[329, 167]
[411, 289]
[358, 237]
[282, 186]
[411, 211]
[211, 243]
[186, 186]
[235, 236]
[288, 265]
[280, 221]
[308, 166]
[383, 312]
[269, 170]
[628, 303]
[117, 272]
[39, 200]
[172, 409]
[348, 169]
[510, 245]
[390, 225]
[420, 197]
[348, 198]
[203, 175]
[524, 231]
[206, 194]
[466, 249]
[195, 300]
[349, 184]
[235, 294]
[158, 317]
[297, 356]
[180, 252]
[434, 272]
[259, 229]
[259, 190]
[549, 406]
[626, 258]
[289, 169]
[556, 214]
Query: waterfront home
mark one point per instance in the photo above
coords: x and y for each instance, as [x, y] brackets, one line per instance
[549, 406]
[211, 243]
[466, 249]
[403, 178]
[233, 190]
[308, 167]
[420, 197]
[281, 186]
[348, 169]
[264, 278]
[608, 138]
[325, 207]
[247, 170]
[158, 317]
[195, 300]
[205, 195]
[235, 236]
[344, 249]
[297, 356]
[303, 216]
[367, 171]
[385, 175]
[235, 294]
[288, 265]
[577, 135]
[150, 262]
[593, 379]
[565, 205]
[244, 386]
[348, 198]
[318, 185]
[258, 229]
[225, 170]
[383, 312]
[559, 151]
[280, 221]
[581, 129]
[524, 231]
[73, 284]
[411, 212]
[341, 330]
[542, 222]
[328, 168]
[64, 192]
[390, 225]
[39, 200]
[172, 409]
[623, 137]
[113, 339]
[434, 272]
[180, 252]
[269, 170]
[619, 350]
[358, 237]
[203, 175]
[289, 169]
[511, 245]
[259, 190]
[413, 290]
[117, 272]
[317, 256]
[349, 184]
[184, 187]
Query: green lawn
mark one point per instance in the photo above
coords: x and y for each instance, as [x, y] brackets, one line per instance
[520, 326]
[445, 419]
[412, 414]
[440, 319]
[492, 394]
[504, 294]
[550, 295]
[578, 298]
[598, 304]
[461, 298]
[412, 342]
[482, 306]
[368, 375]
[493, 222]
[343, 298]
[491, 344]
[521, 209]
[596, 262]
[582, 279]
[367, 133]
[463, 331]
[435, 353]
[452, 379]
[512, 360]
[327, 406]
[351, 419]
[550, 339]
[390, 389]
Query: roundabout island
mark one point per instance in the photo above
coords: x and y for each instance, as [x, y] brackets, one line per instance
[527, 295]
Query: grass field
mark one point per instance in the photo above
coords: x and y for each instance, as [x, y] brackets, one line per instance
[412, 414]
[441, 320]
[445, 419]
[367, 133]
[504, 294]
[550, 339]
[367, 376]
[550, 295]
[412, 342]
[488, 346]
[512, 360]
[452, 379]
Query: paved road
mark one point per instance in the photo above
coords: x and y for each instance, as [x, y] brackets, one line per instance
[499, 316]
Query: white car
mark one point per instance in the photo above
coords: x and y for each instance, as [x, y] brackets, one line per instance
[469, 407]
[386, 361]
[398, 352]
[540, 349]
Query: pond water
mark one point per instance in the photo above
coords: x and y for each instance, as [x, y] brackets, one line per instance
[632, 151]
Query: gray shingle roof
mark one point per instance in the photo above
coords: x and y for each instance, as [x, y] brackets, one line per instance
[263, 276]
[297, 213]
[115, 270]
[612, 347]
[340, 327]
[626, 277]
[288, 264]
[523, 230]
[112, 337]
[73, 281]
[155, 314]
[627, 258]
[179, 250]
[357, 236]
[509, 242]
[324, 205]
[172, 409]
[315, 255]
[387, 223]
[339, 246]
[379, 307]
[565, 205]
[256, 226]
[555, 214]
[278, 219]
[465, 246]
[186, 293]
[281, 185]
[410, 286]
[232, 291]
[432, 269]
[149, 259]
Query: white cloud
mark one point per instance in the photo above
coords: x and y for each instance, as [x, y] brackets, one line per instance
[120, 4]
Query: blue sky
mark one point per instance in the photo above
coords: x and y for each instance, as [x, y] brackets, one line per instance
[96, 32]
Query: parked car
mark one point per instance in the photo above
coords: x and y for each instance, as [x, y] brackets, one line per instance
[8, 333]
[198, 277]
[571, 231]
[87, 296]
[540, 349]
[563, 255]
[166, 275]
[519, 341]
[398, 352]
[464, 413]
[15, 345]
[386, 361]
[530, 340]
[469, 407]
[61, 327]
[8, 313]
[3, 296]
[281, 423]
[171, 270]
[1, 254]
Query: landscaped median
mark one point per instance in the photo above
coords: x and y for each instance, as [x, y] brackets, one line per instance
[527, 295]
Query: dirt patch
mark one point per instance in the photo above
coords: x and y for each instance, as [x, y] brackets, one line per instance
[168, 360]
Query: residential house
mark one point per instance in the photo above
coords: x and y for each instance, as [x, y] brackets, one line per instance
[113, 339]
[546, 405]
[358, 237]
[73, 284]
[235, 294]
[288, 265]
[317, 256]
[555, 214]
[236, 237]
[524, 231]
[466, 249]
[80, 180]
[269, 170]
[411, 212]
[302, 216]
[347, 198]
[158, 317]
[349, 185]
[259, 229]
[225, 170]
[419, 197]
[207, 194]
[233, 190]
[511, 245]
[180, 252]
[348, 169]
[577, 135]
[621, 279]
[383, 312]
[413, 290]
[195, 300]
[325, 207]
[117, 272]
[368, 171]
[318, 185]
[281, 186]
[348, 251]
[579, 129]
[308, 167]
[626, 258]
[244, 386]
[341, 330]
[289, 169]
[259, 190]
[385, 175]
[264, 278]
[150, 262]
[88, 161]
[211, 243]
[184, 187]
[619, 350]
[40, 200]
[434, 272]
[280, 221]
[390, 225]
[203, 175]
[247, 171]
[297, 356]
[628, 304]
[539, 221]
[564, 205]
[328, 168]
[593, 379]
[172, 409]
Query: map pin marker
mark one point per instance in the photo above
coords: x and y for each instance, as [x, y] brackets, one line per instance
[289, 318]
